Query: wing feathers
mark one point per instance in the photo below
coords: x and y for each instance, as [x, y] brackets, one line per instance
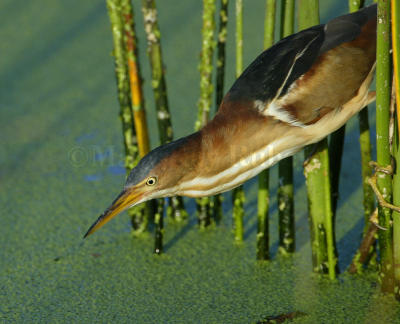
[289, 64]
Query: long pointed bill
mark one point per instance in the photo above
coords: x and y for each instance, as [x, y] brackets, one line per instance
[124, 200]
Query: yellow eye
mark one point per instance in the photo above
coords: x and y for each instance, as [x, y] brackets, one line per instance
[151, 181]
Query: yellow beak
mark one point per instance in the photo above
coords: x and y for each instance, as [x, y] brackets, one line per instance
[125, 199]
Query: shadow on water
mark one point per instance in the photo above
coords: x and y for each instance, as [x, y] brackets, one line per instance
[190, 225]
[349, 243]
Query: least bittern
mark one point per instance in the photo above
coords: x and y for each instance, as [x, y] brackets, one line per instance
[294, 94]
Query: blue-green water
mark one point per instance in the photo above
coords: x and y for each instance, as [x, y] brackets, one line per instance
[61, 165]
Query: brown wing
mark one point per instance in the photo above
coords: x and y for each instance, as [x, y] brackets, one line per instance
[307, 74]
[333, 80]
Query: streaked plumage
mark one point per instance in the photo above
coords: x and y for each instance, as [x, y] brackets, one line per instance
[295, 93]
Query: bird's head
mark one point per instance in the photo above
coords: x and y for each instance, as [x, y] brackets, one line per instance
[157, 175]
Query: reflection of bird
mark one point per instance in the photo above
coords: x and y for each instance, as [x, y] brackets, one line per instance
[295, 93]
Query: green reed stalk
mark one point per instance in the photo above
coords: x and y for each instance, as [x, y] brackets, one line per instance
[219, 88]
[384, 181]
[262, 252]
[204, 205]
[365, 147]
[336, 152]
[285, 190]
[396, 145]
[176, 208]
[221, 44]
[366, 173]
[317, 173]
[125, 60]
[139, 220]
[238, 196]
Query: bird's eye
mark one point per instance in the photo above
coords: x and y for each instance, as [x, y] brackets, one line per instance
[151, 181]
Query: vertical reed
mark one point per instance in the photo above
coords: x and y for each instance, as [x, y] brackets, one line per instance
[366, 173]
[285, 190]
[125, 63]
[139, 220]
[263, 178]
[204, 205]
[176, 209]
[316, 171]
[221, 44]
[384, 181]
[396, 145]
[135, 78]
[219, 87]
[238, 196]
[365, 147]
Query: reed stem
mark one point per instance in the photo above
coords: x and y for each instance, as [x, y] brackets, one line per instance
[139, 220]
[135, 78]
[221, 44]
[316, 171]
[238, 196]
[384, 181]
[366, 173]
[396, 145]
[337, 142]
[262, 252]
[269, 23]
[176, 209]
[125, 61]
[396, 215]
[204, 205]
[221, 58]
[285, 190]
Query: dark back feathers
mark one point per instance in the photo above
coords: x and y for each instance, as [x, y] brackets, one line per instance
[269, 72]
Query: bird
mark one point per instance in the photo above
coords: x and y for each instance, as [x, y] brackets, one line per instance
[293, 94]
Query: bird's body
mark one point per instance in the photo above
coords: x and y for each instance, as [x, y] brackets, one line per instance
[295, 93]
